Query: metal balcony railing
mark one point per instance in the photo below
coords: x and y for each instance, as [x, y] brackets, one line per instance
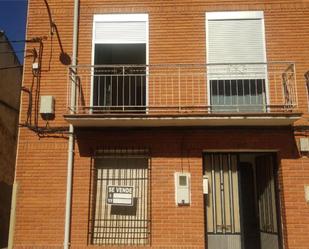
[186, 89]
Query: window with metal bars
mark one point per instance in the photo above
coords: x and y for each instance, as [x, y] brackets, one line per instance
[121, 218]
[245, 95]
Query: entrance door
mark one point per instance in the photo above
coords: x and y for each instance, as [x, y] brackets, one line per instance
[269, 235]
[250, 212]
[222, 202]
[240, 207]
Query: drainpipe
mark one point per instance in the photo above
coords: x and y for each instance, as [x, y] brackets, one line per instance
[12, 215]
[66, 244]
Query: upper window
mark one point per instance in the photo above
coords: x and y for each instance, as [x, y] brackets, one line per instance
[120, 28]
[236, 59]
[120, 44]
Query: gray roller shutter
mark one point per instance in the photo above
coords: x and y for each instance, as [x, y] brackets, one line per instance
[232, 41]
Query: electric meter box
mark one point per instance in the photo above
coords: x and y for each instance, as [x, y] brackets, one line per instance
[304, 144]
[307, 193]
[35, 66]
[182, 188]
[205, 185]
[47, 106]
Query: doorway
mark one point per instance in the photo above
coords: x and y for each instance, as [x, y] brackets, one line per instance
[241, 207]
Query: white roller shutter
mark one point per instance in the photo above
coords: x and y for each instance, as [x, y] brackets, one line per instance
[120, 32]
[124, 29]
[235, 40]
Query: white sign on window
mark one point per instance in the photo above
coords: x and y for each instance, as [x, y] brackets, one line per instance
[120, 195]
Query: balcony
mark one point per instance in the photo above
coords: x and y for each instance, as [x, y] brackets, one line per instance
[248, 94]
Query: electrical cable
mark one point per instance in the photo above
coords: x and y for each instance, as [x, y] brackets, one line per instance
[51, 22]
[37, 56]
[47, 130]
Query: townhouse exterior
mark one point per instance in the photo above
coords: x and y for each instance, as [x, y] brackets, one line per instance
[164, 124]
[10, 84]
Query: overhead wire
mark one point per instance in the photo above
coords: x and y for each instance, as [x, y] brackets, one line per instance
[35, 39]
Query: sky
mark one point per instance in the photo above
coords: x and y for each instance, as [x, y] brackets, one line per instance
[13, 14]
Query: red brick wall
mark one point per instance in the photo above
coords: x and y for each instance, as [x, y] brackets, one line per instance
[176, 150]
[41, 166]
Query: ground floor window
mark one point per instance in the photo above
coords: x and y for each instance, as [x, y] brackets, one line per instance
[120, 202]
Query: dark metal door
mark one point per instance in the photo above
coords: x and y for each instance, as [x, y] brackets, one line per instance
[223, 227]
[266, 191]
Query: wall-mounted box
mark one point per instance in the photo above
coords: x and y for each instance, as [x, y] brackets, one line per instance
[307, 193]
[35, 66]
[182, 188]
[304, 144]
[205, 185]
[47, 107]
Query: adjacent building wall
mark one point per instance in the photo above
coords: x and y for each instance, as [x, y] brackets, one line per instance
[10, 85]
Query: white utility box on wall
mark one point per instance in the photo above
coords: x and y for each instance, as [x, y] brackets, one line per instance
[304, 144]
[47, 107]
[205, 185]
[182, 188]
[307, 193]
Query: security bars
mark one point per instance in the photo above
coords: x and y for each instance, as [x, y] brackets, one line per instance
[222, 202]
[124, 222]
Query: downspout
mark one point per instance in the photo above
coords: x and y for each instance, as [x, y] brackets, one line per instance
[66, 244]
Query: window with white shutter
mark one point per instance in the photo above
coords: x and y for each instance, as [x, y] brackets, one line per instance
[120, 29]
[120, 45]
[236, 59]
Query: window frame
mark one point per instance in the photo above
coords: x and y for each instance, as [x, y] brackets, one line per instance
[116, 154]
[120, 17]
[236, 15]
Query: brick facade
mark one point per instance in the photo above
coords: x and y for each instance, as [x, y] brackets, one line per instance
[174, 27]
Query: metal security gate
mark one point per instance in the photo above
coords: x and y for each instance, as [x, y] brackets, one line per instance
[269, 234]
[123, 217]
[222, 202]
[241, 206]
